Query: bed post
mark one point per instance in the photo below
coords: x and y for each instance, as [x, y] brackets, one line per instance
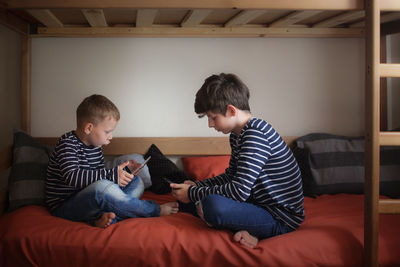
[371, 190]
[26, 83]
[18, 25]
[383, 88]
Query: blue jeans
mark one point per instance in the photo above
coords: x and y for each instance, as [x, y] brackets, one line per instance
[106, 196]
[224, 213]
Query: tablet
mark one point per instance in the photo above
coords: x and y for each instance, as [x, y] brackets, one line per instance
[138, 169]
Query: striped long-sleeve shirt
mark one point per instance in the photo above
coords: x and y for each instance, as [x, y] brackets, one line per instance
[72, 167]
[263, 171]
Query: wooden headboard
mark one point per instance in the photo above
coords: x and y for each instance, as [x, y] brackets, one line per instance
[170, 146]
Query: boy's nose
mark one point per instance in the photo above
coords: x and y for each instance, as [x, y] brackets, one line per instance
[210, 123]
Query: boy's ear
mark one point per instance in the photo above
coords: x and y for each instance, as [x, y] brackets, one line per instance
[87, 127]
[231, 110]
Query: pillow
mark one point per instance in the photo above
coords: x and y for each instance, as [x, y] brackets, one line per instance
[201, 168]
[160, 166]
[144, 174]
[28, 172]
[332, 164]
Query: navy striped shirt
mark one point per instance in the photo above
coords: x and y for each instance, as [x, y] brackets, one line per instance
[72, 167]
[263, 171]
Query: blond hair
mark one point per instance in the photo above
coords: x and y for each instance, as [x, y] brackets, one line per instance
[95, 109]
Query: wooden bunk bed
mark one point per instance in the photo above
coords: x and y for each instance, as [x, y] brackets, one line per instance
[180, 18]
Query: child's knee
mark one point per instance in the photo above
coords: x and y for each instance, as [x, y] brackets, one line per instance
[137, 187]
[101, 186]
[212, 210]
[139, 184]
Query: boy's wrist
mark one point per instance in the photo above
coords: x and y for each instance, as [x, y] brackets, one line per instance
[116, 176]
[190, 193]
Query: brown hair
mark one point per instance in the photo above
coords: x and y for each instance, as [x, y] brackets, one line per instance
[95, 109]
[219, 91]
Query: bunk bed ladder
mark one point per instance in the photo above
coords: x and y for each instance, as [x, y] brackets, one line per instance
[374, 137]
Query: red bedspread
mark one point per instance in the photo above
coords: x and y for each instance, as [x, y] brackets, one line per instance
[332, 235]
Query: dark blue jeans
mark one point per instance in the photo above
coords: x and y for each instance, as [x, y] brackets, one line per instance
[105, 196]
[224, 213]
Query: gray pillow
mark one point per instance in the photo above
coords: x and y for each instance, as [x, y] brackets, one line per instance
[144, 173]
[332, 164]
[28, 172]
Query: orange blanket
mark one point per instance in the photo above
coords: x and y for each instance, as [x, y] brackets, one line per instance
[332, 235]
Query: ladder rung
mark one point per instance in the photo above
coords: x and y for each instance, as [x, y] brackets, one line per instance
[389, 206]
[389, 138]
[390, 70]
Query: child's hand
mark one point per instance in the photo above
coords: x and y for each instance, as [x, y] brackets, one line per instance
[189, 182]
[123, 177]
[180, 192]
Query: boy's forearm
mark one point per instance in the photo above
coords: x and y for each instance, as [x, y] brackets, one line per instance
[217, 180]
[81, 178]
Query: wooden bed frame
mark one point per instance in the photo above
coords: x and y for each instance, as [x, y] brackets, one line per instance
[35, 19]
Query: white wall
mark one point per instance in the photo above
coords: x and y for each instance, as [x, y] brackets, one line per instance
[298, 85]
[393, 56]
[10, 73]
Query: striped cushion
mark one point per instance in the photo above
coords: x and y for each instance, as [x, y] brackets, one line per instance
[332, 164]
[28, 172]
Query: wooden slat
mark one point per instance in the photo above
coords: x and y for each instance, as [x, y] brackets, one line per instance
[372, 125]
[195, 17]
[387, 17]
[95, 17]
[193, 4]
[390, 17]
[26, 83]
[5, 158]
[390, 70]
[244, 17]
[145, 17]
[389, 206]
[389, 139]
[13, 22]
[389, 5]
[294, 17]
[168, 145]
[172, 146]
[340, 19]
[46, 17]
[198, 32]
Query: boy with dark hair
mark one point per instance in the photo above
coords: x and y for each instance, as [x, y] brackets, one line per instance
[260, 194]
[79, 188]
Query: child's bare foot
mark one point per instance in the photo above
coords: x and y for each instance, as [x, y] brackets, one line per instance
[243, 237]
[105, 220]
[169, 208]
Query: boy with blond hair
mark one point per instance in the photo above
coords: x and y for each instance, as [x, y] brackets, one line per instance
[79, 188]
